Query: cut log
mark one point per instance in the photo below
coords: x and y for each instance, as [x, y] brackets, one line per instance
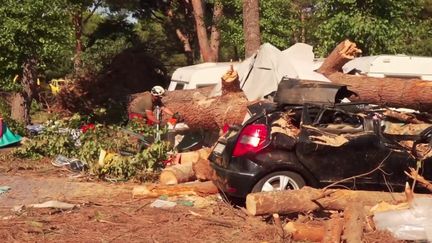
[177, 174]
[312, 231]
[333, 230]
[194, 156]
[354, 217]
[203, 171]
[195, 188]
[394, 92]
[309, 199]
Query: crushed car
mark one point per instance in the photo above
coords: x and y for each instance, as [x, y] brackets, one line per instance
[308, 136]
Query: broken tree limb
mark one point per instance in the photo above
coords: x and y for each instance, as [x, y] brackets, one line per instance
[354, 217]
[413, 174]
[394, 92]
[403, 117]
[312, 231]
[195, 188]
[343, 53]
[278, 224]
[177, 174]
[230, 82]
[309, 199]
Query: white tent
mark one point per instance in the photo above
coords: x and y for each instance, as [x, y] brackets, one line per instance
[261, 74]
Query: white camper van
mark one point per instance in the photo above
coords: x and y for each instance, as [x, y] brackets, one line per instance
[199, 75]
[400, 66]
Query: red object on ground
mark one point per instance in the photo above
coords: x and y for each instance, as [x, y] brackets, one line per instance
[135, 116]
[86, 127]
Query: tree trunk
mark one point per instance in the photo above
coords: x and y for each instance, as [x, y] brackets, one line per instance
[18, 107]
[196, 188]
[21, 102]
[310, 199]
[203, 112]
[251, 26]
[186, 46]
[209, 49]
[394, 92]
[78, 29]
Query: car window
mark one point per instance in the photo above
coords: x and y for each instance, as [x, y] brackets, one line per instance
[338, 121]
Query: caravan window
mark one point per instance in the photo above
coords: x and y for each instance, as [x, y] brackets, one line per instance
[204, 85]
[179, 86]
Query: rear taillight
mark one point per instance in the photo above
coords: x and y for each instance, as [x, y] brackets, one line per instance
[251, 139]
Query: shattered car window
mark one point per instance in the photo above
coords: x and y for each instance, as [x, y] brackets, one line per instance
[338, 121]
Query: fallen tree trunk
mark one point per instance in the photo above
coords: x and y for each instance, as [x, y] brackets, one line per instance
[394, 92]
[310, 199]
[195, 188]
[201, 111]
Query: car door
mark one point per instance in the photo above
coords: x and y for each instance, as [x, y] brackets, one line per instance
[334, 149]
[400, 159]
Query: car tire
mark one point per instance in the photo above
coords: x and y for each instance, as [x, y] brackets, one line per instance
[291, 181]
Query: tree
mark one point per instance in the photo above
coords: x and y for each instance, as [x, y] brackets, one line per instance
[80, 15]
[209, 47]
[378, 26]
[33, 32]
[251, 26]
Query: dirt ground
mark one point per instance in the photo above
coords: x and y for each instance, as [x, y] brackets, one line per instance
[107, 212]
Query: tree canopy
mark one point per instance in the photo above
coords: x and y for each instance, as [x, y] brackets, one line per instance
[32, 29]
[167, 29]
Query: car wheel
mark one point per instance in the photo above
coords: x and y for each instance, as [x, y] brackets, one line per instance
[279, 181]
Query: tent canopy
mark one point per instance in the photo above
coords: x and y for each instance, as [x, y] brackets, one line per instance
[261, 74]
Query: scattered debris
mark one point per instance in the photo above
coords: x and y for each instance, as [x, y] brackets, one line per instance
[53, 204]
[4, 189]
[158, 203]
[408, 224]
[193, 188]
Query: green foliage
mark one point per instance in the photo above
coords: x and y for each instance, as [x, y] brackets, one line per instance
[377, 26]
[31, 29]
[280, 22]
[100, 54]
[57, 139]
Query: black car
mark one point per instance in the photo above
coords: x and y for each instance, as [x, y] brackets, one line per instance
[288, 146]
